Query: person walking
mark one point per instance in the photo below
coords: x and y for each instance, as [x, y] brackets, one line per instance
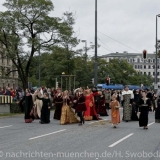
[115, 114]
[144, 106]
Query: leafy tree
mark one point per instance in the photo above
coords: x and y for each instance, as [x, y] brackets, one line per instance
[121, 72]
[26, 26]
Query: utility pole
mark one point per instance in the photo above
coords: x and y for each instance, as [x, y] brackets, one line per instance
[39, 66]
[95, 61]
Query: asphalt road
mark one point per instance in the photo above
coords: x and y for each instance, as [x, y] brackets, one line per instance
[92, 141]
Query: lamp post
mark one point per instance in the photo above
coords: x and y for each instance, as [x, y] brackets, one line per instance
[156, 67]
[95, 61]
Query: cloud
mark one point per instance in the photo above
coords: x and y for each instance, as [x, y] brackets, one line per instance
[132, 23]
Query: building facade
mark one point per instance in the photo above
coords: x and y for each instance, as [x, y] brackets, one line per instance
[142, 66]
[7, 77]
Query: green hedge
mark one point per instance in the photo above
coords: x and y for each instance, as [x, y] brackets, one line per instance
[14, 108]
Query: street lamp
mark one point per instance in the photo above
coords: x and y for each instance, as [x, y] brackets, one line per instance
[156, 68]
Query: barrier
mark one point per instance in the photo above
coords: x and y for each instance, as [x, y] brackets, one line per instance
[5, 102]
[4, 99]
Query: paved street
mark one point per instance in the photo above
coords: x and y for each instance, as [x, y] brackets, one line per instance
[93, 140]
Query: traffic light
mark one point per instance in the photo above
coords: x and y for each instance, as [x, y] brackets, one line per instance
[144, 54]
[107, 81]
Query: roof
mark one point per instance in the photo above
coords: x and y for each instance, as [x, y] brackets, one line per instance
[126, 54]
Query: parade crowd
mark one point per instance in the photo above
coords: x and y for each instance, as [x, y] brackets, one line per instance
[86, 104]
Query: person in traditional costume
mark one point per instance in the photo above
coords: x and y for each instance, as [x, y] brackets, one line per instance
[107, 95]
[127, 98]
[45, 112]
[115, 114]
[90, 113]
[75, 100]
[135, 105]
[67, 115]
[157, 107]
[81, 106]
[37, 103]
[58, 101]
[96, 98]
[150, 96]
[144, 106]
[28, 107]
[101, 110]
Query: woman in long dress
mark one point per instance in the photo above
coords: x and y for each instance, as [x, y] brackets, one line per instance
[90, 113]
[37, 104]
[67, 115]
[45, 112]
[101, 105]
[157, 108]
[28, 107]
[144, 106]
[58, 101]
[115, 115]
[81, 106]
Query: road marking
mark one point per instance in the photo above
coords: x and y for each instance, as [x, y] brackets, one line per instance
[112, 145]
[97, 121]
[47, 134]
[151, 123]
[6, 126]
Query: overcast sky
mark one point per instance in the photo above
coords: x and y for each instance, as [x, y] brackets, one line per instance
[131, 22]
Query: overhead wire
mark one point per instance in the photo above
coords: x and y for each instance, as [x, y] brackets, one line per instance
[119, 42]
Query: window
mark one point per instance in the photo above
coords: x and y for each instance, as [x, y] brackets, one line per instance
[149, 73]
[149, 60]
[149, 67]
[138, 60]
[144, 66]
[153, 60]
[135, 66]
[145, 73]
[153, 73]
